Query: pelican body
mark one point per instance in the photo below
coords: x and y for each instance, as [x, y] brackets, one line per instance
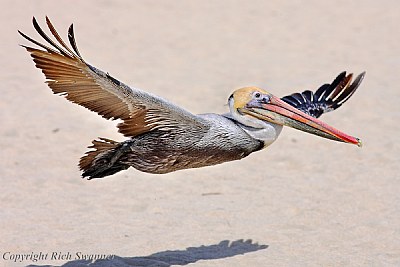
[164, 137]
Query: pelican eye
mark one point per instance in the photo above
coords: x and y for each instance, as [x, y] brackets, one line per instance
[257, 95]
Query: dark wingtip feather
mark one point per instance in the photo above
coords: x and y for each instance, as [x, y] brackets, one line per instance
[335, 84]
[338, 79]
[360, 77]
[72, 41]
[351, 89]
[320, 91]
[60, 48]
[58, 37]
[37, 43]
[343, 84]
[49, 40]
[22, 34]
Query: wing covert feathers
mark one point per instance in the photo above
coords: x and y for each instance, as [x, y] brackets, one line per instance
[328, 97]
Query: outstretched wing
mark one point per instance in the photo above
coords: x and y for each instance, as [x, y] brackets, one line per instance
[328, 97]
[69, 75]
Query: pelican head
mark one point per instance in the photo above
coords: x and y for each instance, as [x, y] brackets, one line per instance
[258, 108]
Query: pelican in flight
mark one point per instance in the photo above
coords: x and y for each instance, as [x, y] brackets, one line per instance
[163, 137]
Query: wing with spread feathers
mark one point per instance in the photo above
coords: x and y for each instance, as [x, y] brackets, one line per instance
[328, 97]
[69, 75]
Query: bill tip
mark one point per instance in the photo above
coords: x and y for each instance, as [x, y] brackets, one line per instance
[359, 142]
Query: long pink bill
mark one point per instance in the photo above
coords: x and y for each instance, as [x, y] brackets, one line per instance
[279, 112]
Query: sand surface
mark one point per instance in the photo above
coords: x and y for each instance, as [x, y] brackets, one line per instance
[305, 201]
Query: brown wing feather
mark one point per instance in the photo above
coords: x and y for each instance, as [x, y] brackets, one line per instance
[69, 75]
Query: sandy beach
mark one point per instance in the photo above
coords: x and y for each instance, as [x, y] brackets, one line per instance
[304, 201]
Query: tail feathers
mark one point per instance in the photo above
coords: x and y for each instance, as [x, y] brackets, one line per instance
[103, 160]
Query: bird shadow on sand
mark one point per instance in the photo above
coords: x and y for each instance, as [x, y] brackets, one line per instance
[223, 249]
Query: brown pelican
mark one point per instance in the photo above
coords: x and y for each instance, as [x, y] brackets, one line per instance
[164, 137]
